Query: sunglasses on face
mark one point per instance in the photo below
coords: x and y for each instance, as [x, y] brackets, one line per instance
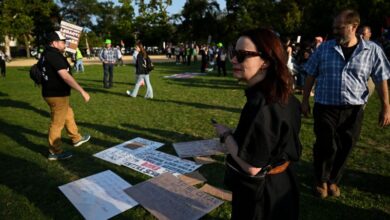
[241, 55]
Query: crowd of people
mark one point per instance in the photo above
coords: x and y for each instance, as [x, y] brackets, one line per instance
[265, 145]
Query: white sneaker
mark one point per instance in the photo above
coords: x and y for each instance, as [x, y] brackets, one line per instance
[128, 92]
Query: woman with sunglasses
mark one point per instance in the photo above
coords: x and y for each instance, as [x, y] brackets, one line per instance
[266, 141]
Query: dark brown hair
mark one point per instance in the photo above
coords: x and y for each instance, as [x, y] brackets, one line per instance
[277, 85]
[351, 16]
[143, 51]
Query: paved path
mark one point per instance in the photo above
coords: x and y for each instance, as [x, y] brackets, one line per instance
[128, 59]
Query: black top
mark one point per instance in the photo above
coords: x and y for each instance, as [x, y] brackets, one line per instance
[140, 65]
[55, 86]
[348, 51]
[268, 133]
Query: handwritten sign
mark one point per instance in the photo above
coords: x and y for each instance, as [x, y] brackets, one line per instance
[167, 197]
[99, 196]
[199, 148]
[72, 34]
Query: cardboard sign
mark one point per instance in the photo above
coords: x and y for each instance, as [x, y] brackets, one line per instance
[199, 148]
[72, 34]
[167, 197]
[193, 178]
[99, 196]
[217, 192]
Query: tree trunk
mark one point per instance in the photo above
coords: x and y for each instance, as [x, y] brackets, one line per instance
[27, 44]
[7, 48]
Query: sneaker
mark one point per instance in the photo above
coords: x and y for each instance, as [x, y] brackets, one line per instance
[334, 190]
[128, 92]
[82, 141]
[62, 156]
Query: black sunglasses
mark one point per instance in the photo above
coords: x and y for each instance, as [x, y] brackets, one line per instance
[241, 55]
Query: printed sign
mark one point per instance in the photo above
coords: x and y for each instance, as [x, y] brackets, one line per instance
[72, 34]
[199, 148]
[167, 197]
[99, 196]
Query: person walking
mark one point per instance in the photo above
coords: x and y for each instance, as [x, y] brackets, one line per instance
[265, 142]
[56, 91]
[2, 63]
[341, 68]
[108, 56]
[79, 61]
[142, 73]
[221, 59]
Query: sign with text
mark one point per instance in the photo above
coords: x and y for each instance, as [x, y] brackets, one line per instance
[199, 148]
[99, 196]
[72, 34]
[167, 197]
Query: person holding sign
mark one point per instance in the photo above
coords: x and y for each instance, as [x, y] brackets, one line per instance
[266, 140]
[108, 56]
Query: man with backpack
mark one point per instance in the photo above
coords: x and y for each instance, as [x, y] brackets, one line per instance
[56, 91]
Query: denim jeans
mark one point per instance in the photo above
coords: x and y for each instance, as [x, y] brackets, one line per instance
[79, 66]
[149, 89]
[108, 74]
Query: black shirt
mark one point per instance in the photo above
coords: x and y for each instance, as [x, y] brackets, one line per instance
[267, 133]
[348, 51]
[55, 86]
[140, 65]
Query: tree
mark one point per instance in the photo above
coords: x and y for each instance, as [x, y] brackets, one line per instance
[18, 19]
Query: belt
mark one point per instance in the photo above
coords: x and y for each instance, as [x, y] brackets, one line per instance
[272, 170]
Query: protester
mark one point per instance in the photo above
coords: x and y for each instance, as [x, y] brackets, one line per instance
[266, 140]
[120, 60]
[341, 68]
[142, 73]
[79, 61]
[56, 92]
[108, 56]
[221, 59]
[2, 63]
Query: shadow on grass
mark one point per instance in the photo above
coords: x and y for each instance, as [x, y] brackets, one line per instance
[100, 82]
[18, 134]
[207, 83]
[368, 182]
[22, 105]
[312, 207]
[102, 90]
[3, 94]
[199, 105]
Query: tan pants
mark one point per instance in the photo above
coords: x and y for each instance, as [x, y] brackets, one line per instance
[61, 115]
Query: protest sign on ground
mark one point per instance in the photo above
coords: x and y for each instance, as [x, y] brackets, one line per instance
[217, 192]
[193, 178]
[199, 148]
[99, 196]
[167, 197]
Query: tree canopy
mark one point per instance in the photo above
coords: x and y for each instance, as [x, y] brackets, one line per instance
[29, 20]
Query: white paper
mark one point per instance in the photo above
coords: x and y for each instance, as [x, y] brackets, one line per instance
[143, 166]
[99, 196]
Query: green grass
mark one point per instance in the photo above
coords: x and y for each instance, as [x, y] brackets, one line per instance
[180, 111]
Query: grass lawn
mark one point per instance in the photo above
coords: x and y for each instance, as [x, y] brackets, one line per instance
[180, 111]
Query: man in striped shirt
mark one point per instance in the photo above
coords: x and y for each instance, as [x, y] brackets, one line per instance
[341, 68]
[108, 56]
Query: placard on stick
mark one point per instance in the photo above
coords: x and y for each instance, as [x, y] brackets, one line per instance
[72, 34]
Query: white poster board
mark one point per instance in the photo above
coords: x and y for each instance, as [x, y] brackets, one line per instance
[72, 34]
[99, 196]
[199, 148]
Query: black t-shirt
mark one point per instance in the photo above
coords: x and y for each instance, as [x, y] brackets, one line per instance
[348, 51]
[55, 86]
[267, 133]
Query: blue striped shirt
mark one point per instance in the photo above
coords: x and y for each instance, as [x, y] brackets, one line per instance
[341, 82]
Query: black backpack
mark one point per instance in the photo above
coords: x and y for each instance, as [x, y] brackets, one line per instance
[37, 72]
[149, 65]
